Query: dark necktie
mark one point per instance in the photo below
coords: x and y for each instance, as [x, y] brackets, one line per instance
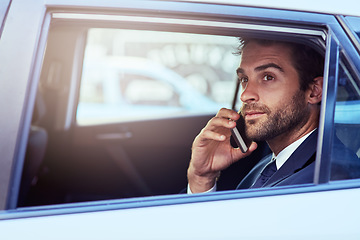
[268, 171]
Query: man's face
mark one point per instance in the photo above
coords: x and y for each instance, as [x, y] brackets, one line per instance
[273, 103]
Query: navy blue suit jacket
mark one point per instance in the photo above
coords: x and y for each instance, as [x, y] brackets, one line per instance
[298, 169]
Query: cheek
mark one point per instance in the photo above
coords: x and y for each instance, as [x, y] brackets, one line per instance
[275, 99]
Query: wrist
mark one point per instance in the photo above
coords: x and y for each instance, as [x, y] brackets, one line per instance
[201, 183]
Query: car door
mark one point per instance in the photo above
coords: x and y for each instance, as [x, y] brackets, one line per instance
[110, 135]
[109, 160]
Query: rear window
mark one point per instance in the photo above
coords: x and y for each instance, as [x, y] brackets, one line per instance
[136, 74]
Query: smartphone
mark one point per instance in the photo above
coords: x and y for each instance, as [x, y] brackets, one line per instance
[238, 133]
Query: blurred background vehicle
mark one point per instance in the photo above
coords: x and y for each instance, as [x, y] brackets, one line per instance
[116, 89]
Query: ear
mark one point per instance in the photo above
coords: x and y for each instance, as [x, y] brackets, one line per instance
[315, 91]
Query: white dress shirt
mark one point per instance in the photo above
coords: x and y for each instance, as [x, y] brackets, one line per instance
[286, 152]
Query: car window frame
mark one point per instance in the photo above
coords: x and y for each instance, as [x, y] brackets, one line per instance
[326, 123]
[318, 20]
[16, 126]
[346, 24]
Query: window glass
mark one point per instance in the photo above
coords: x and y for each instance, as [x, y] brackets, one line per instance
[354, 23]
[134, 74]
[345, 162]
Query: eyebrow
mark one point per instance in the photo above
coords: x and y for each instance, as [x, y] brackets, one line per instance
[261, 68]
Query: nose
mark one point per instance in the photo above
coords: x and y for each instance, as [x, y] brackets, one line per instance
[249, 93]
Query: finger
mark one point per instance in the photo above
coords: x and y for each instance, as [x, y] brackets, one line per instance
[228, 114]
[207, 134]
[253, 146]
[217, 123]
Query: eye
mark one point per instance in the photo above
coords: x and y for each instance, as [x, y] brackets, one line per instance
[268, 77]
[243, 81]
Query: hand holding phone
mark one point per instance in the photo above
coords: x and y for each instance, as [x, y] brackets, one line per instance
[239, 135]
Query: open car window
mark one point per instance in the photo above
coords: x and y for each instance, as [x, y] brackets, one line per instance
[119, 104]
[121, 99]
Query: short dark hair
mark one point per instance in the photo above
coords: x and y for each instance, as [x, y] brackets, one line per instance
[308, 62]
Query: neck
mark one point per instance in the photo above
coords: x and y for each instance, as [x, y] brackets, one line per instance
[281, 141]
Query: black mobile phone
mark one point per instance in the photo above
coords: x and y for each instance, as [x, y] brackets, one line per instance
[239, 135]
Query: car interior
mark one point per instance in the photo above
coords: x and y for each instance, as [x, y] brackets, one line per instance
[69, 162]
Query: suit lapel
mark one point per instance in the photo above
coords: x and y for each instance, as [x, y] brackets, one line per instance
[251, 177]
[302, 157]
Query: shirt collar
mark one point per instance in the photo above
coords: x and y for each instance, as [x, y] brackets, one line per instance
[286, 152]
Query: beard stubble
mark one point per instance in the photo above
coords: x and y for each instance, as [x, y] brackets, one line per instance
[279, 120]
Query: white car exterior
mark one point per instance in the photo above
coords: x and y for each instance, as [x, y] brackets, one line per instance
[316, 211]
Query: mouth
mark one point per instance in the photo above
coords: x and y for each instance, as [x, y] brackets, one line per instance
[251, 115]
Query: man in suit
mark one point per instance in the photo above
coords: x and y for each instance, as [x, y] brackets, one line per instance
[281, 90]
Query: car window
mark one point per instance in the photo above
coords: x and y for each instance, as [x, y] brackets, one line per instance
[138, 74]
[180, 76]
[354, 23]
[345, 162]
